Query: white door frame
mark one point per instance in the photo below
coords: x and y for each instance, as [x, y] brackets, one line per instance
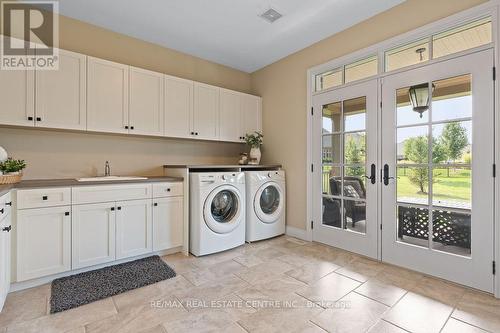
[490, 8]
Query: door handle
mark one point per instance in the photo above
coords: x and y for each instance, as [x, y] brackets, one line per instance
[7, 229]
[386, 174]
[372, 177]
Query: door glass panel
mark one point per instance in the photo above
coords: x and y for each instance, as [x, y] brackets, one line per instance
[344, 156]
[451, 231]
[269, 200]
[413, 225]
[412, 145]
[404, 112]
[361, 69]
[355, 215]
[330, 175]
[452, 186]
[331, 118]
[224, 206]
[331, 148]
[412, 185]
[452, 99]
[452, 143]
[407, 55]
[330, 79]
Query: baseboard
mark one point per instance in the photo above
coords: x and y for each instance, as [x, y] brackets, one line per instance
[16, 286]
[297, 233]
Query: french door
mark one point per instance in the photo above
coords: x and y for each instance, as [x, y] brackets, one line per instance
[345, 146]
[437, 187]
[411, 183]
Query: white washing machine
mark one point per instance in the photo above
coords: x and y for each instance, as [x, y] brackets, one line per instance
[217, 212]
[265, 204]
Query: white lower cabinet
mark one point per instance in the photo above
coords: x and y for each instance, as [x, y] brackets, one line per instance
[43, 242]
[168, 217]
[93, 234]
[133, 228]
[5, 253]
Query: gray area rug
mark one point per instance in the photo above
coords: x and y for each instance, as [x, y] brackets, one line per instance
[75, 290]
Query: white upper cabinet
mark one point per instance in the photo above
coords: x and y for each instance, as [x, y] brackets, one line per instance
[145, 102]
[60, 99]
[206, 111]
[107, 96]
[178, 107]
[17, 96]
[230, 116]
[251, 114]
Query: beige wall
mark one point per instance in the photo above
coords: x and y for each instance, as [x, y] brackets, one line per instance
[52, 154]
[283, 87]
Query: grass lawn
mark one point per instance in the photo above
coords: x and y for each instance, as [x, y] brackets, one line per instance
[456, 187]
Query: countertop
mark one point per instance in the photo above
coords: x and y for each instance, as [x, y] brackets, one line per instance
[35, 183]
[222, 167]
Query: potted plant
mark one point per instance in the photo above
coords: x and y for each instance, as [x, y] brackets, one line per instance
[254, 140]
[11, 170]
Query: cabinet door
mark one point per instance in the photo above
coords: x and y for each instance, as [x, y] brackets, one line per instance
[230, 116]
[60, 100]
[133, 228]
[93, 230]
[43, 242]
[168, 219]
[145, 102]
[178, 107]
[17, 96]
[5, 255]
[107, 96]
[206, 111]
[251, 114]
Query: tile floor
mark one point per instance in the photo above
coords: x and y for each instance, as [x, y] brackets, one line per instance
[279, 285]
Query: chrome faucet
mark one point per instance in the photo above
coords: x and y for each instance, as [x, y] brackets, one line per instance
[107, 169]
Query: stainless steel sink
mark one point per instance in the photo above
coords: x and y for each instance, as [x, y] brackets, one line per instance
[109, 178]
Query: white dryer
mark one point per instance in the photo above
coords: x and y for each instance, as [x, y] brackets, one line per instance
[265, 204]
[217, 212]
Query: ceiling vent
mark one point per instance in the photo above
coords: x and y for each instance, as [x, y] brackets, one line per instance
[271, 15]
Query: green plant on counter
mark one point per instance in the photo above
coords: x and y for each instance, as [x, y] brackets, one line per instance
[11, 165]
[254, 140]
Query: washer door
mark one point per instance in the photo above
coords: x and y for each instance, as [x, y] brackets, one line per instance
[222, 210]
[268, 202]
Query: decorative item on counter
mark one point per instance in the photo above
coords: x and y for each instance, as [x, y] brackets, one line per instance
[11, 171]
[3, 154]
[254, 140]
[243, 159]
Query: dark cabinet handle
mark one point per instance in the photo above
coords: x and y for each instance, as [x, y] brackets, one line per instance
[196, 133]
[192, 133]
[66, 213]
[372, 174]
[1, 210]
[155, 204]
[386, 174]
[112, 209]
[7, 229]
[131, 127]
[119, 208]
[168, 190]
[45, 198]
[30, 118]
[8, 203]
[126, 127]
[38, 119]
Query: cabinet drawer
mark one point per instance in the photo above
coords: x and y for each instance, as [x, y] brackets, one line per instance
[46, 197]
[5, 205]
[168, 190]
[110, 193]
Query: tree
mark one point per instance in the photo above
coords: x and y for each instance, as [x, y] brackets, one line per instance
[354, 152]
[454, 140]
[416, 150]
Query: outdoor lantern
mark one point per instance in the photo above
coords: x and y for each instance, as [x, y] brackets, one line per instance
[419, 97]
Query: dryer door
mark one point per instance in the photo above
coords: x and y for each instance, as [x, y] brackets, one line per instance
[222, 210]
[269, 202]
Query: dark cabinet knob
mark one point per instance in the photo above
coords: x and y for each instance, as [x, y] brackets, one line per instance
[45, 198]
[1, 210]
[168, 190]
[66, 213]
[112, 209]
[30, 118]
[7, 229]
[126, 127]
[8, 203]
[119, 208]
[192, 133]
[38, 119]
[155, 204]
[131, 127]
[196, 133]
